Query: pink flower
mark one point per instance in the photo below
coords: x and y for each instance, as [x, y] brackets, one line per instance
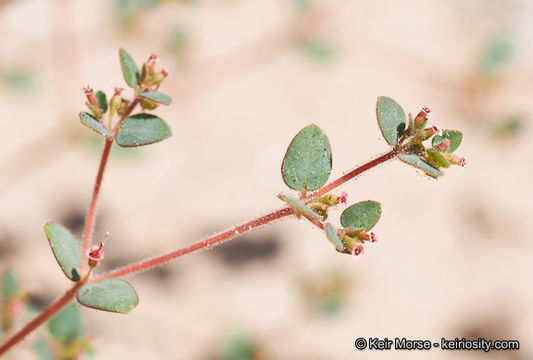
[118, 90]
[164, 71]
[344, 198]
[373, 237]
[358, 250]
[436, 130]
[96, 253]
[426, 110]
[87, 90]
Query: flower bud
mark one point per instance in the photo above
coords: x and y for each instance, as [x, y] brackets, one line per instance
[422, 116]
[456, 160]
[115, 101]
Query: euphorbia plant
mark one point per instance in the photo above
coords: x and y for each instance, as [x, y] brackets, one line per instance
[305, 169]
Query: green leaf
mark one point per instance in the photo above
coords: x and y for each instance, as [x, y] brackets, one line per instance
[391, 119]
[421, 164]
[65, 326]
[455, 137]
[102, 100]
[129, 68]
[364, 215]
[43, 350]
[142, 129]
[66, 249]
[93, 124]
[307, 163]
[300, 207]
[331, 233]
[113, 295]
[157, 96]
[10, 284]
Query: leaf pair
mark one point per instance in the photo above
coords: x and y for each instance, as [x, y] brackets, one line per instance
[113, 295]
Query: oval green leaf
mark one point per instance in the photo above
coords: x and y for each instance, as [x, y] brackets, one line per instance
[331, 233]
[455, 137]
[113, 295]
[142, 129]
[129, 68]
[364, 215]
[300, 207]
[419, 163]
[307, 162]
[391, 119]
[157, 96]
[66, 249]
[65, 326]
[92, 123]
[10, 285]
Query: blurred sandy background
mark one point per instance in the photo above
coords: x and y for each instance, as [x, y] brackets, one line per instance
[454, 256]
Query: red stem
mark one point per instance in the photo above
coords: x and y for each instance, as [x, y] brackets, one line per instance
[89, 224]
[43, 317]
[240, 229]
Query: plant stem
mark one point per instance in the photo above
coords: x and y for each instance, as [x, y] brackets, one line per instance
[42, 317]
[89, 224]
[240, 229]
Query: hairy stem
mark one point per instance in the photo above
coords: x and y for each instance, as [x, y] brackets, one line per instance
[42, 317]
[91, 215]
[241, 229]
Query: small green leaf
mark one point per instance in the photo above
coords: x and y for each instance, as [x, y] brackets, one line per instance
[331, 233]
[102, 100]
[391, 119]
[455, 137]
[66, 249]
[364, 214]
[157, 96]
[421, 164]
[65, 326]
[43, 350]
[129, 68]
[142, 129]
[300, 207]
[307, 162]
[10, 284]
[93, 124]
[113, 295]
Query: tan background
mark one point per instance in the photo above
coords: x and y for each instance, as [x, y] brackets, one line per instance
[454, 256]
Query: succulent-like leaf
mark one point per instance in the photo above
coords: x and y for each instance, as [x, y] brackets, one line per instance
[419, 163]
[307, 162]
[102, 100]
[113, 295]
[364, 214]
[10, 284]
[130, 71]
[455, 137]
[142, 129]
[66, 249]
[331, 233]
[391, 119]
[156, 96]
[65, 326]
[92, 123]
[300, 207]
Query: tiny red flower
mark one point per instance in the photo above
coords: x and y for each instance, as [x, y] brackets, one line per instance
[164, 71]
[344, 198]
[118, 90]
[358, 250]
[373, 237]
[426, 110]
[96, 253]
[87, 90]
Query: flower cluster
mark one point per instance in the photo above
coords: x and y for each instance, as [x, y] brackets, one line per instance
[444, 142]
[353, 240]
